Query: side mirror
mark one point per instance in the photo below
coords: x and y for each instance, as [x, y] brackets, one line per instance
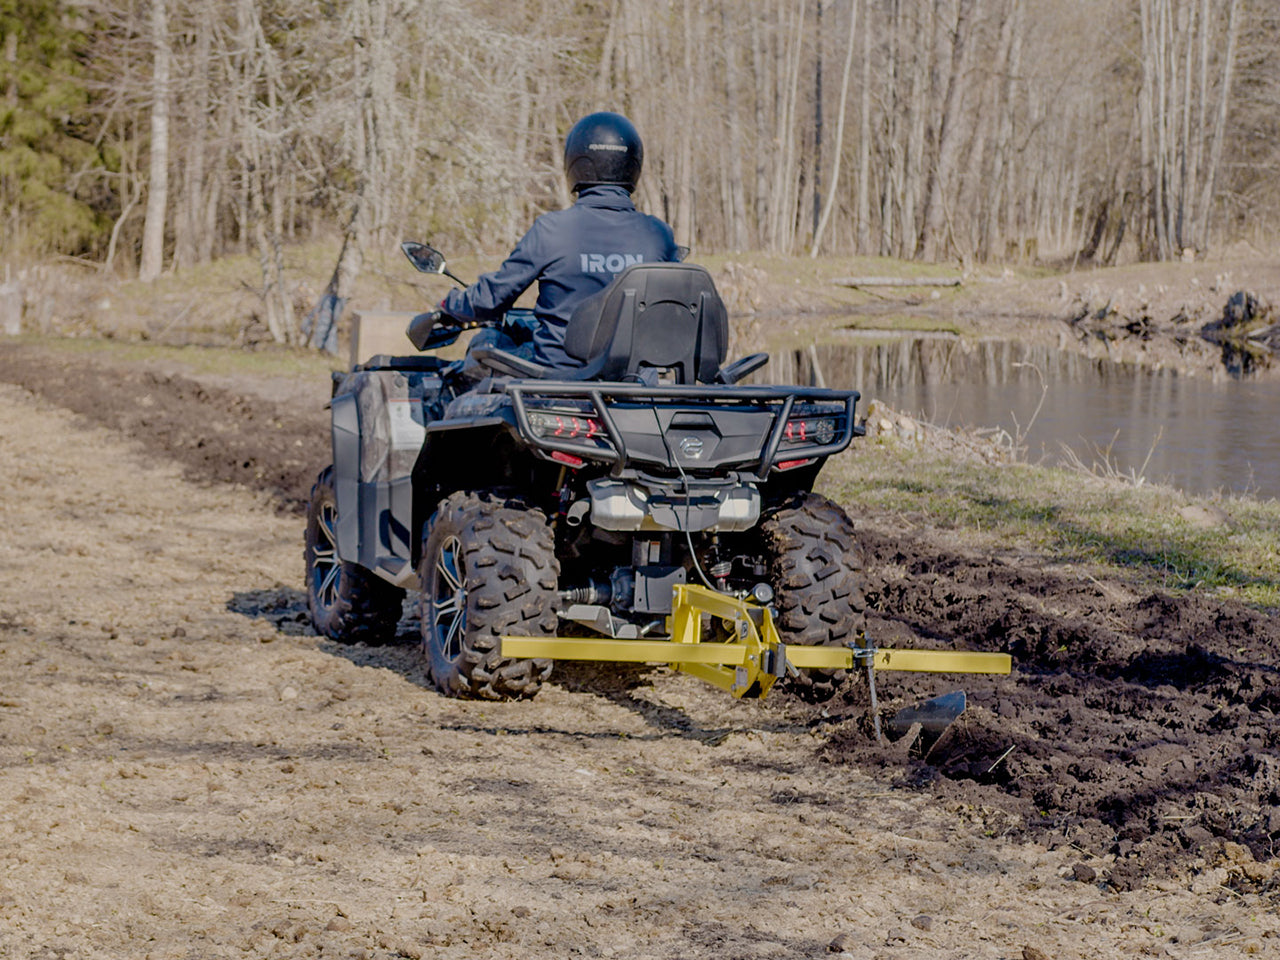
[424, 258]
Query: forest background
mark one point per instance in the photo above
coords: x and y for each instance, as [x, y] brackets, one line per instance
[143, 137]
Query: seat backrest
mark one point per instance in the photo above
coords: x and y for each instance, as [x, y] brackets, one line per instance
[666, 316]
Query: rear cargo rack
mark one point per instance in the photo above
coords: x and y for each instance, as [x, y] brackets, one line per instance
[780, 399]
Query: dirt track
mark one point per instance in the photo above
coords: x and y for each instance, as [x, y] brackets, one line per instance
[189, 774]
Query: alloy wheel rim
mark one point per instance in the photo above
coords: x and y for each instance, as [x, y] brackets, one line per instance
[325, 568]
[449, 599]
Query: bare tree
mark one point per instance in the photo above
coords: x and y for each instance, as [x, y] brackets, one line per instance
[980, 131]
[158, 180]
[949, 134]
[846, 73]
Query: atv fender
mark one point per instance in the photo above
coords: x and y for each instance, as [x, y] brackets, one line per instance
[346, 475]
[376, 417]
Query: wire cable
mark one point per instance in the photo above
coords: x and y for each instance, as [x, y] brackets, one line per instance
[688, 500]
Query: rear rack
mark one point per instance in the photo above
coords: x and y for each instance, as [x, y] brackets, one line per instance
[784, 398]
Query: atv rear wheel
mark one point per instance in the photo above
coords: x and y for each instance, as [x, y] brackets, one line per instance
[488, 568]
[347, 602]
[816, 571]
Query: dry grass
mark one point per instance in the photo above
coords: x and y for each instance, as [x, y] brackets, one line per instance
[1153, 534]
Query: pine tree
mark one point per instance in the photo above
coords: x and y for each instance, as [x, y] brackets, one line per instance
[44, 144]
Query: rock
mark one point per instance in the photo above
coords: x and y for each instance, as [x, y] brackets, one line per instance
[842, 943]
[923, 922]
[1033, 953]
[289, 693]
[1243, 314]
[1084, 873]
[338, 925]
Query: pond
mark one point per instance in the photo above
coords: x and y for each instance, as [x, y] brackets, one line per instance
[1194, 433]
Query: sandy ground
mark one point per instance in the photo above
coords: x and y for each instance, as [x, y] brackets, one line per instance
[188, 773]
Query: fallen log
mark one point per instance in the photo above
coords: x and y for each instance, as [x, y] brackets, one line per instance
[897, 282]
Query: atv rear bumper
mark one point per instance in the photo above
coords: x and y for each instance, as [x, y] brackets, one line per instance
[682, 446]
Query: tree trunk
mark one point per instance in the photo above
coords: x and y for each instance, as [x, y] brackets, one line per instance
[683, 224]
[1220, 125]
[737, 225]
[1146, 115]
[817, 120]
[782, 228]
[187, 222]
[949, 139]
[839, 148]
[158, 181]
[762, 203]
[1009, 63]
[864, 140]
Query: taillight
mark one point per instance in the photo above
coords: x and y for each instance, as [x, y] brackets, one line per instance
[565, 426]
[792, 464]
[809, 430]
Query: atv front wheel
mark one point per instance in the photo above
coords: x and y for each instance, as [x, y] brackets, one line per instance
[816, 572]
[488, 568]
[347, 602]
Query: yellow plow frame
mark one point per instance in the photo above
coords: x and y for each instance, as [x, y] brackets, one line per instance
[752, 657]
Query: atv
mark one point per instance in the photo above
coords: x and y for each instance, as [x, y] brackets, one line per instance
[608, 515]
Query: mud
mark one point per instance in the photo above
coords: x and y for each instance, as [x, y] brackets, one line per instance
[182, 755]
[1138, 726]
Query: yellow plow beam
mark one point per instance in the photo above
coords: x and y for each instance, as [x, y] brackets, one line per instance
[752, 658]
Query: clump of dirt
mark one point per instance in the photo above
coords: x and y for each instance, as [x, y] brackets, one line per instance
[1141, 727]
[219, 435]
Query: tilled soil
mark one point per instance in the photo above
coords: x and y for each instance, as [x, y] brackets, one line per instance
[218, 434]
[189, 773]
[1140, 726]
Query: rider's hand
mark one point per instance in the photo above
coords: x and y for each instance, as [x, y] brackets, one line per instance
[421, 326]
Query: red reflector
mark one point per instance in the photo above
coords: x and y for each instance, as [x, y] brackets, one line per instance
[792, 464]
[568, 458]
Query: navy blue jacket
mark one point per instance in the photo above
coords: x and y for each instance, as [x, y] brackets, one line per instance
[572, 254]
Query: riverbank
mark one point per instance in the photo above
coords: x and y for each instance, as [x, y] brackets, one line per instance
[1148, 314]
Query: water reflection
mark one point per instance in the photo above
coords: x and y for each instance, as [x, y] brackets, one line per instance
[1198, 435]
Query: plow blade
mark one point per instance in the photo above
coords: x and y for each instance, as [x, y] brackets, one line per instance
[932, 718]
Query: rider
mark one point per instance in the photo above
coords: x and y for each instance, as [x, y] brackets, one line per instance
[576, 252]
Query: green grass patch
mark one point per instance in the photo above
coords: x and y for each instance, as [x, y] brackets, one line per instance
[1063, 516]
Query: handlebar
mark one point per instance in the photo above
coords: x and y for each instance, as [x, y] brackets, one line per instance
[437, 329]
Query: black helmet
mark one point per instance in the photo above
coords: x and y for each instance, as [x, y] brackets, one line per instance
[603, 148]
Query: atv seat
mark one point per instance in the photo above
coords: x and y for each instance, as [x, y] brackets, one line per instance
[653, 316]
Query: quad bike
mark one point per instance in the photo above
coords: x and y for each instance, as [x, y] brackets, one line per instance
[649, 508]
